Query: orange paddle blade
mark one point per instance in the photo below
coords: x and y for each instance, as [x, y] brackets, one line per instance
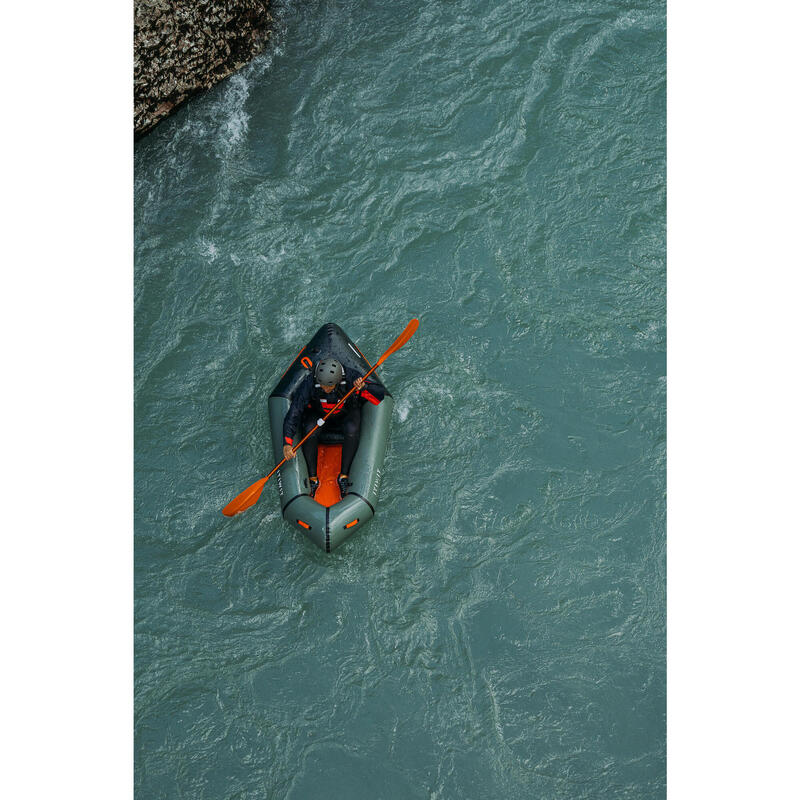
[246, 499]
[410, 330]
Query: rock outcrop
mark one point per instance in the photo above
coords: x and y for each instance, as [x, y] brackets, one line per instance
[181, 47]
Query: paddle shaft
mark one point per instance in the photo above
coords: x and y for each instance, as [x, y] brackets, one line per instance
[250, 495]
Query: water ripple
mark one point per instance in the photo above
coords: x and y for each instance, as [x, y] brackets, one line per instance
[498, 628]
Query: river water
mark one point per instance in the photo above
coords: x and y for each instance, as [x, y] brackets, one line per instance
[498, 629]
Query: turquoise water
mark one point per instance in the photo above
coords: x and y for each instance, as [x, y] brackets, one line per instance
[498, 630]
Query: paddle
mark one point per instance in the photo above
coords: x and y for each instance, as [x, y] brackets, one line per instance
[251, 494]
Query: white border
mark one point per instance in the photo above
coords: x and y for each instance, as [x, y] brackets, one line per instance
[67, 669]
[732, 405]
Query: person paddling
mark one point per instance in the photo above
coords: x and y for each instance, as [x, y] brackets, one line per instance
[313, 399]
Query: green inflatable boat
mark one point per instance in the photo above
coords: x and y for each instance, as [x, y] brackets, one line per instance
[329, 518]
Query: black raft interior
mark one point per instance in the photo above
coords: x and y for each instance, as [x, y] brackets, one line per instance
[330, 341]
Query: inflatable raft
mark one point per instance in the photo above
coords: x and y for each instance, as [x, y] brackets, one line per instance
[328, 518]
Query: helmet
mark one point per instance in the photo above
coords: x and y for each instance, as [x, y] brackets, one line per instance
[329, 371]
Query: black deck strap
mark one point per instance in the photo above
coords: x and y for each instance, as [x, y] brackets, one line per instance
[302, 494]
[327, 529]
[365, 500]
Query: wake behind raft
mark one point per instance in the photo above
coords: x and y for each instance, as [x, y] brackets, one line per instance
[329, 518]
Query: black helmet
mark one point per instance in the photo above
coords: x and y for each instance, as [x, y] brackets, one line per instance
[328, 372]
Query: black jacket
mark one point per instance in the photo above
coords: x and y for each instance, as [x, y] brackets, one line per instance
[309, 395]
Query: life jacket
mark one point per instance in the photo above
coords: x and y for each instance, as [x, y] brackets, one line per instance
[322, 401]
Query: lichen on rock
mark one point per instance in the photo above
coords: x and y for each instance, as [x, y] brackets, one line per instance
[181, 47]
